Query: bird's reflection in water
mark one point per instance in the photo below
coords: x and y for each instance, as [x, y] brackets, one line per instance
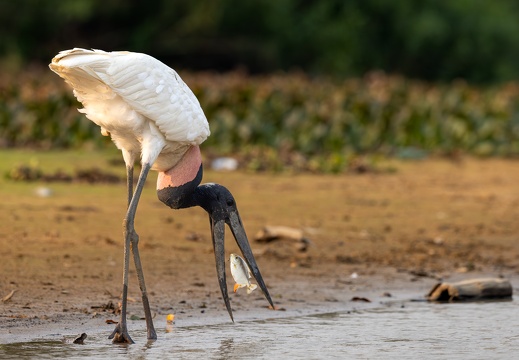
[226, 349]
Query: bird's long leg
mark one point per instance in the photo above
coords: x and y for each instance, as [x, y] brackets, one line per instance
[131, 239]
[120, 333]
[129, 183]
[152, 335]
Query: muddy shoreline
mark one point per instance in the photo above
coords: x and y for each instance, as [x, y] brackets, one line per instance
[362, 291]
[399, 232]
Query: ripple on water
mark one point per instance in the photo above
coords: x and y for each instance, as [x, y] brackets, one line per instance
[405, 330]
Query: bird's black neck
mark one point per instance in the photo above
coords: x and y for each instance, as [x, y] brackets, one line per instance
[183, 196]
[213, 198]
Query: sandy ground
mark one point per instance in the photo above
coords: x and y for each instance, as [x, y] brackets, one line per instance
[384, 236]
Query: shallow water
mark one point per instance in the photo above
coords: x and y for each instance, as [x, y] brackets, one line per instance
[403, 330]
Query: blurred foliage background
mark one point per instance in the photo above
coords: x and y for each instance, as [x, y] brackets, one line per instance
[307, 85]
[477, 40]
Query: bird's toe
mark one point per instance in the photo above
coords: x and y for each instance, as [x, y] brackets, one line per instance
[120, 336]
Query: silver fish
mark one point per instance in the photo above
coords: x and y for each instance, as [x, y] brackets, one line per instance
[241, 274]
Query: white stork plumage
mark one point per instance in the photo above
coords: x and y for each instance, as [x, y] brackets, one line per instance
[150, 112]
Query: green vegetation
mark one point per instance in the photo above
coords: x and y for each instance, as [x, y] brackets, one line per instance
[318, 98]
[291, 121]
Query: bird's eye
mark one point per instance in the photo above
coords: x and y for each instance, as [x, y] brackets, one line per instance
[230, 202]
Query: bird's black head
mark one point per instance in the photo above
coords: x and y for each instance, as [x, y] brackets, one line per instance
[217, 200]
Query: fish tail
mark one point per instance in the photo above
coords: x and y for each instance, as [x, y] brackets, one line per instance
[251, 287]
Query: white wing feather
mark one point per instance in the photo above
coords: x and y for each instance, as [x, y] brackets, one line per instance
[148, 86]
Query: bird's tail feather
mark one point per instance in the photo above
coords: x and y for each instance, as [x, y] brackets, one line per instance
[81, 69]
[78, 57]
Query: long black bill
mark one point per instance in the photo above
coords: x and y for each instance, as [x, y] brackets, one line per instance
[240, 236]
[218, 234]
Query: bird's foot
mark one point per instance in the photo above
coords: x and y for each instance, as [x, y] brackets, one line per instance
[152, 335]
[120, 335]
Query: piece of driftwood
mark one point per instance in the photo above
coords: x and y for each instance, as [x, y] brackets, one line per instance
[271, 233]
[475, 289]
[8, 296]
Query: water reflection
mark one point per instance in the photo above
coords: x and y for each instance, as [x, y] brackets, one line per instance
[415, 330]
[226, 349]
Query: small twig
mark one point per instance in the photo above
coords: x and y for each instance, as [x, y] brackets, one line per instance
[8, 296]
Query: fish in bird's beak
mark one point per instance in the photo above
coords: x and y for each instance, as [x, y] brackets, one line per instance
[235, 224]
[241, 274]
[233, 220]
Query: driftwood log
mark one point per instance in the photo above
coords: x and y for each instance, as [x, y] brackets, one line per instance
[476, 289]
[272, 233]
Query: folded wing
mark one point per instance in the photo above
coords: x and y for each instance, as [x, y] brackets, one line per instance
[145, 84]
